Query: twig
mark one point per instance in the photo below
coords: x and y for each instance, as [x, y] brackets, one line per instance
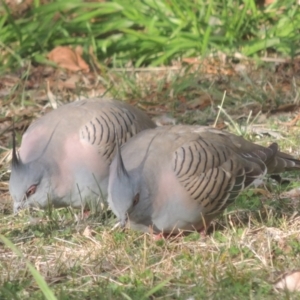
[220, 107]
[148, 69]
[274, 59]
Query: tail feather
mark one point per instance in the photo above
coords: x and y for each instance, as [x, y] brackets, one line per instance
[275, 161]
[282, 162]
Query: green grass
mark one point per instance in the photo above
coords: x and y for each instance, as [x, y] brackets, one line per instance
[236, 262]
[148, 32]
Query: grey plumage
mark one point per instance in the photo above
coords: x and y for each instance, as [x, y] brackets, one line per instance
[65, 155]
[181, 177]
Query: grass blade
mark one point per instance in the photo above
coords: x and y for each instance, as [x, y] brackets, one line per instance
[36, 275]
[156, 288]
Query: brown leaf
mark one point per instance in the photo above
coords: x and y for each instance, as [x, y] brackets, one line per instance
[164, 120]
[191, 60]
[69, 59]
[293, 193]
[290, 107]
[71, 82]
[262, 192]
[87, 232]
[220, 125]
[200, 102]
[289, 281]
[268, 2]
[262, 130]
[292, 122]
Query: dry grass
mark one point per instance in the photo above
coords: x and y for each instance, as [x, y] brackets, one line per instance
[83, 258]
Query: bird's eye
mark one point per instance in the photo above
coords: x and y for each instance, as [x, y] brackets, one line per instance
[31, 191]
[136, 199]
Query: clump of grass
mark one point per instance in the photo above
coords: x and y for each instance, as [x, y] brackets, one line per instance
[36, 275]
[149, 32]
[237, 260]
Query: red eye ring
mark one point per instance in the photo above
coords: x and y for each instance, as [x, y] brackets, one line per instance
[31, 191]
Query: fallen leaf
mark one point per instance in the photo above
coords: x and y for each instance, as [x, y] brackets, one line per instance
[216, 64]
[87, 232]
[274, 233]
[262, 130]
[290, 107]
[292, 122]
[262, 192]
[164, 120]
[268, 2]
[220, 125]
[289, 281]
[69, 59]
[200, 102]
[191, 60]
[293, 193]
[71, 83]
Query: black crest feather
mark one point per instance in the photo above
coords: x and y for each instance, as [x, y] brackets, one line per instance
[15, 160]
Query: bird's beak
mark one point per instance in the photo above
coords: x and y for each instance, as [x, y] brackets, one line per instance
[123, 221]
[17, 207]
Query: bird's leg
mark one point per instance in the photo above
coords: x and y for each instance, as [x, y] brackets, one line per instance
[155, 236]
[158, 236]
[203, 232]
[85, 212]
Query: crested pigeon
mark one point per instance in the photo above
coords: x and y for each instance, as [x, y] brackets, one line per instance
[65, 155]
[178, 178]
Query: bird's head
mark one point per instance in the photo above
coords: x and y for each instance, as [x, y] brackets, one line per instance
[123, 189]
[30, 182]
[128, 192]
